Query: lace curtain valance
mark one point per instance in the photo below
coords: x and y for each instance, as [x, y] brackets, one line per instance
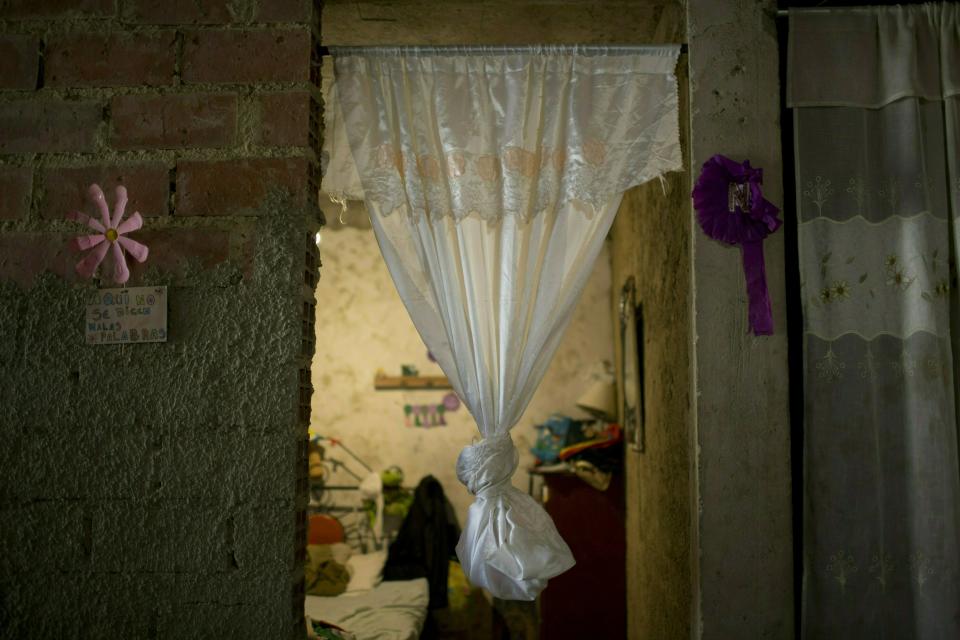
[872, 56]
[491, 178]
[875, 93]
[493, 133]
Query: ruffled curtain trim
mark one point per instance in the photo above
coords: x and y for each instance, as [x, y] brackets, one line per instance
[582, 162]
[871, 56]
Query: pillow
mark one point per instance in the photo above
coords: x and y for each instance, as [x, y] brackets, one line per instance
[341, 552]
[366, 570]
[324, 576]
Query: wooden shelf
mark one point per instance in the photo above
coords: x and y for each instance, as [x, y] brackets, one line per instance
[388, 383]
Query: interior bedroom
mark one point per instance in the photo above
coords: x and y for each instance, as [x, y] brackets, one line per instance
[376, 436]
[479, 319]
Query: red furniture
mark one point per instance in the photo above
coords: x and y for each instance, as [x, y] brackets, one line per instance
[589, 600]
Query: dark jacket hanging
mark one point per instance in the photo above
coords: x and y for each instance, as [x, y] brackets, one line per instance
[426, 542]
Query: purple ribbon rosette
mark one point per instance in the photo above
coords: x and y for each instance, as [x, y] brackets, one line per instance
[731, 208]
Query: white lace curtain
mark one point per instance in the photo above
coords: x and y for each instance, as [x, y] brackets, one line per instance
[875, 95]
[491, 177]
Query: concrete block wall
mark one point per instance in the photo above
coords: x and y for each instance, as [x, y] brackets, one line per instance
[157, 490]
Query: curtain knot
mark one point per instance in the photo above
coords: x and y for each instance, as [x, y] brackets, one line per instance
[487, 466]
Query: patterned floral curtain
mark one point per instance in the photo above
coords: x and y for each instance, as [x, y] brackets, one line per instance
[875, 96]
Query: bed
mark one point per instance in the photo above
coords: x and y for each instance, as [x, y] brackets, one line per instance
[369, 609]
[381, 582]
[389, 611]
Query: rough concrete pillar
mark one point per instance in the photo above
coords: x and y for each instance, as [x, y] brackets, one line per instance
[741, 477]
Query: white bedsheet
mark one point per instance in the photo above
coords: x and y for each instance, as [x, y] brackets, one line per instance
[391, 611]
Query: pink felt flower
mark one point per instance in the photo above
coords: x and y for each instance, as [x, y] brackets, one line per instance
[110, 236]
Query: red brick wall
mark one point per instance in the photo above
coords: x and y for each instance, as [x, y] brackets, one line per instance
[199, 107]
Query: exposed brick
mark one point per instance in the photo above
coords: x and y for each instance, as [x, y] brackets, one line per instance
[285, 119]
[284, 11]
[110, 60]
[176, 251]
[235, 186]
[181, 11]
[19, 58]
[173, 121]
[47, 125]
[65, 188]
[15, 186]
[60, 9]
[262, 55]
[25, 255]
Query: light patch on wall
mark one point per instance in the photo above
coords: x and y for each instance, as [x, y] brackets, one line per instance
[362, 326]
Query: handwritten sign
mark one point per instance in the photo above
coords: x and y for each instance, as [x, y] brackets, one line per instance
[122, 316]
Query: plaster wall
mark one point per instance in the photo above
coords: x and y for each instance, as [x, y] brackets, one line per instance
[363, 326]
[743, 537]
[651, 242]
